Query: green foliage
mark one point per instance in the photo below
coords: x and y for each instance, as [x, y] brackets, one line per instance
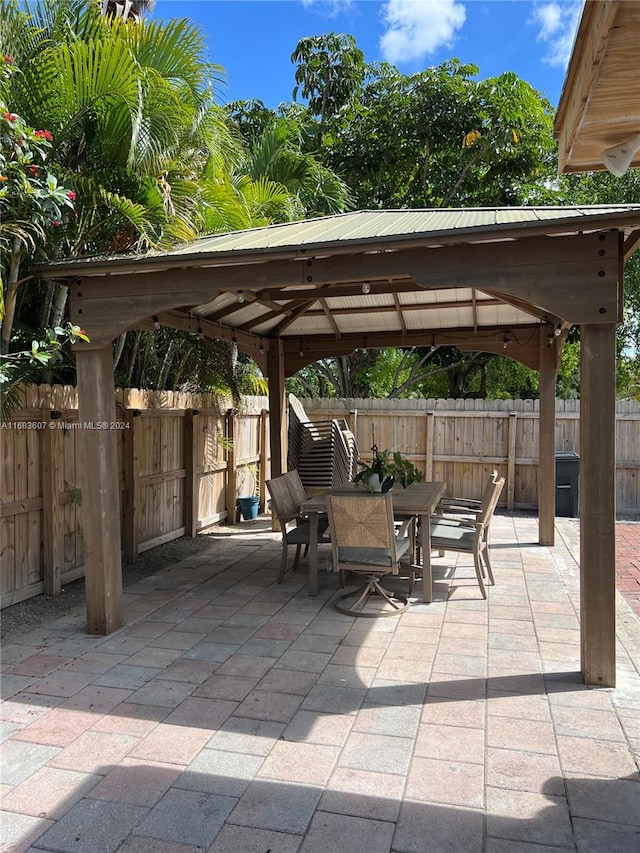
[329, 73]
[390, 468]
[22, 367]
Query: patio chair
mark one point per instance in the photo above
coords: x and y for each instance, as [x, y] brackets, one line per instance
[465, 506]
[469, 536]
[364, 541]
[461, 508]
[287, 510]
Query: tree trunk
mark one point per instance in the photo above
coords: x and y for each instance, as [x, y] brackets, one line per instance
[11, 295]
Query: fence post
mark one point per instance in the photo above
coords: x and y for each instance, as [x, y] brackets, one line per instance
[130, 459]
[52, 512]
[232, 471]
[191, 484]
[511, 461]
[428, 453]
[264, 456]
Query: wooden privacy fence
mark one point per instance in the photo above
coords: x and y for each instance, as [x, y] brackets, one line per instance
[461, 441]
[184, 459]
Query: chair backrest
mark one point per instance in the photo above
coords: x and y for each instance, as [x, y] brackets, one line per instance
[282, 502]
[490, 501]
[362, 530]
[296, 488]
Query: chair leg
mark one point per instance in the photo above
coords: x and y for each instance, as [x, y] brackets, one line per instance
[478, 567]
[283, 563]
[485, 554]
[296, 559]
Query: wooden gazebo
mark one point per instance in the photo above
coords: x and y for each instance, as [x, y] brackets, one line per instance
[511, 281]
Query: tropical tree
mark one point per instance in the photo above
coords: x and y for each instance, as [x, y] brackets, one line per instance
[330, 71]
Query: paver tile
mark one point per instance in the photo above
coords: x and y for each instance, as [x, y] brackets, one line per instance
[49, 792]
[524, 771]
[305, 763]
[267, 705]
[217, 771]
[276, 806]
[520, 816]
[363, 794]
[359, 835]
[377, 753]
[446, 781]
[233, 839]
[138, 782]
[20, 831]
[173, 744]
[94, 752]
[447, 829]
[93, 825]
[596, 836]
[20, 760]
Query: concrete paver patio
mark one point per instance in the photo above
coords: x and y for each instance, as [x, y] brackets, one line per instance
[233, 715]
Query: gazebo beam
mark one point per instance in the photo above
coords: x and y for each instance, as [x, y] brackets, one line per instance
[546, 439]
[277, 410]
[100, 493]
[598, 504]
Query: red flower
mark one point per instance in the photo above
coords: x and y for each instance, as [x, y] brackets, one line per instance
[71, 195]
[8, 59]
[55, 223]
[35, 171]
[10, 116]
[43, 134]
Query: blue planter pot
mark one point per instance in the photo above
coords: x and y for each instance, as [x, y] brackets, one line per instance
[249, 507]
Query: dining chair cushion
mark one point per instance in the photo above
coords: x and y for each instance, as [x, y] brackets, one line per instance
[373, 556]
[452, 533]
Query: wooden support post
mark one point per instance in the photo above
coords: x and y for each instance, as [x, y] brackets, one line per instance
[232, 471]
[547, 441]
[100, 489]
[598, 503]
[428, 451]
[264, 457]
[130, 514]
[52, 513]
[277, 409]
[511, 461]
[191, 482]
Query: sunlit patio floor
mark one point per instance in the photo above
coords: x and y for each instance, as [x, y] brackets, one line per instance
[234, 715]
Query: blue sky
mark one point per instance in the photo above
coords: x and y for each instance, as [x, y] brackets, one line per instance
[253, 39]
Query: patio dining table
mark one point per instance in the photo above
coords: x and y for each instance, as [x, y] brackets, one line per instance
[419, 499]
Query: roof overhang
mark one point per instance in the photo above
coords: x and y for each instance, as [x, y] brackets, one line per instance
[600, 102]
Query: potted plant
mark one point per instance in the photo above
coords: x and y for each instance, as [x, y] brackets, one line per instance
[385, 469]
[250, 504]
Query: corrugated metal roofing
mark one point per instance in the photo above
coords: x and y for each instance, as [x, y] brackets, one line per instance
[384, 224]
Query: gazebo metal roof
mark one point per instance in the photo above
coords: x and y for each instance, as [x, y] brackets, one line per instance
[367, 278]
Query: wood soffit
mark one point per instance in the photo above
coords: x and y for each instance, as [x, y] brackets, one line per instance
[600, 102]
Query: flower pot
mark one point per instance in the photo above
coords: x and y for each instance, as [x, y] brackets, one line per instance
[249, 507]
[376, 485]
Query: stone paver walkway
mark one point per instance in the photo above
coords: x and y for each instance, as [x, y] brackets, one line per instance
[628, 563]
[233, 715]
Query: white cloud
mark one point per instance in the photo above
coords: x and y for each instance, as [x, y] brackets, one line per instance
[557, 23]
[329, 8]
[416, 28]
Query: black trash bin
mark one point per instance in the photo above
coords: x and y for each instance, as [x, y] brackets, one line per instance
[567, 483]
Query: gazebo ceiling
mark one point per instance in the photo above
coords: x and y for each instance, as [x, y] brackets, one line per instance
[479, 278]
[600, 103]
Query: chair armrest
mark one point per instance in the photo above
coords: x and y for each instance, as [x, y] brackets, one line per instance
[462, 504]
